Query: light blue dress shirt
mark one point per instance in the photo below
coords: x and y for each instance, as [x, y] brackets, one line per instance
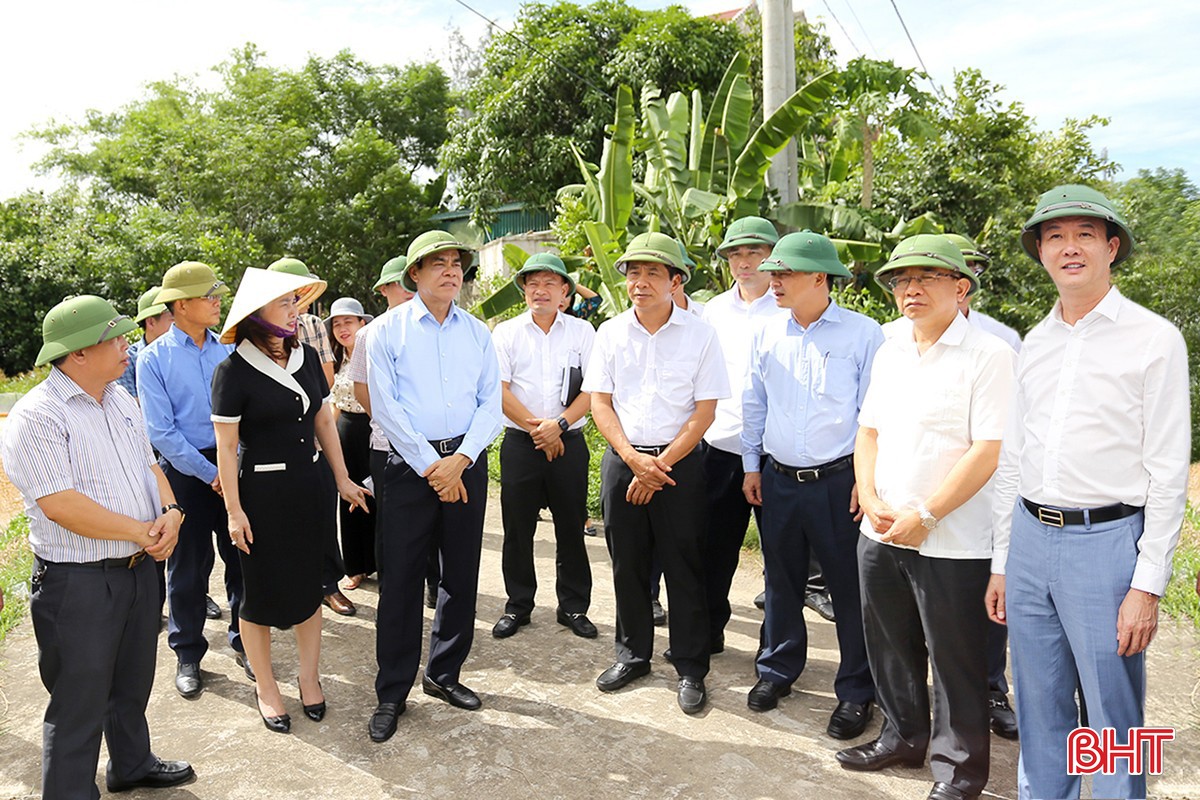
[805, 388]
[174, 381]
[128, 379]
[430, 382]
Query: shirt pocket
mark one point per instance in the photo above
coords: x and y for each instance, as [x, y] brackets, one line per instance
[676, 382]
[839, 378]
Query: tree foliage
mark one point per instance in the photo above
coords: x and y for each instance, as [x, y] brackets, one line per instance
[553, 83]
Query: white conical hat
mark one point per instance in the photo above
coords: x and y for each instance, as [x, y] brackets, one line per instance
[260, 287]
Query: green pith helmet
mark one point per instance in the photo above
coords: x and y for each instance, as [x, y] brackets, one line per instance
[190, 279]
[687, 260]
[805, 252]
[544, 262]
[976, 259]
[147, 307]
[292, 266]
[80, 322]
[393, 270]
[427, 244]
[655, 247]
[748, 231]
[927, 250]
[1074, 200]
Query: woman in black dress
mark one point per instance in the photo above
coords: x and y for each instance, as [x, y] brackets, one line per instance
[270, 397]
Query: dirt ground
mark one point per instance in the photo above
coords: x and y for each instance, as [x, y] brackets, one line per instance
[544, 731]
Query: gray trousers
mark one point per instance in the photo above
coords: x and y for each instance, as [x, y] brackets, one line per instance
[921, 613]
[97, 632]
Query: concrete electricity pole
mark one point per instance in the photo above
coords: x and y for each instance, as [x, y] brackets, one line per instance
[779, 83]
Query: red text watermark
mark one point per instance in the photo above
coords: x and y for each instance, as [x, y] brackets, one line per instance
[1089, 751]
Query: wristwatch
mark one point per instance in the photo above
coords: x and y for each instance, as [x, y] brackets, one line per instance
[929, 521]
[563, 424]
[177, 507]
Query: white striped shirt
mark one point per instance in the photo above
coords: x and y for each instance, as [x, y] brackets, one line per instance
[60, 438]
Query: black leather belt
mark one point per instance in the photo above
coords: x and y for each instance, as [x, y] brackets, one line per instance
[447, 447]
[1060, 517]
[651, 450]
[571, 433]
[810, 474]
[124, 562]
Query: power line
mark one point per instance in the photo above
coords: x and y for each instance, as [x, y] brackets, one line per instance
[920, 60]
[866, 35]
[512, 35]
[845, 32]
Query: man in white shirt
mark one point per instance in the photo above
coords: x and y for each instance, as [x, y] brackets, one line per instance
[544, 458]
[655, 376]
[1092, 487]
[927, 445]
[1003, 720]
[735, 315]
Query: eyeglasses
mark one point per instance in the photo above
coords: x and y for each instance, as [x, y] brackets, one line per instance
[901, 282]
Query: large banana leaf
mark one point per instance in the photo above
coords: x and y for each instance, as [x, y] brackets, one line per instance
[612, 286]
[616, 166]
[830, 220]
[507, 295]
[590, 186]
[746, 185]
[714, 150]
[666, 124]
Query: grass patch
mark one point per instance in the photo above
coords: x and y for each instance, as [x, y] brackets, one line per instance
[22, 383]
[16, 562]
[1180, 602]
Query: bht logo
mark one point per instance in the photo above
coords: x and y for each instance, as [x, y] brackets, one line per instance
[1089, 752]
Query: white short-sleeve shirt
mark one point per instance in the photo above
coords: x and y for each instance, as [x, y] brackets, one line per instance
[532, 362]
[656, 379]
[928, 410]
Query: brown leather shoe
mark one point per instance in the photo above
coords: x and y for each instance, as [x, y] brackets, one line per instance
[340, 604]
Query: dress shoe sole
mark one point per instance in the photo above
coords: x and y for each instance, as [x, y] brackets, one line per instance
[1003, 733]
[876, 766]
[117, 788]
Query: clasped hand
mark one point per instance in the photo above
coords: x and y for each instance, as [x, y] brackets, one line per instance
[445, 478]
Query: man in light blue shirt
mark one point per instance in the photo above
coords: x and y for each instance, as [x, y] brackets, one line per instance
[154, 319]
[175, 389]
[434, 384]
[808, 375]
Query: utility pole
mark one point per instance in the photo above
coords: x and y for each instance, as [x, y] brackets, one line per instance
[779, 83]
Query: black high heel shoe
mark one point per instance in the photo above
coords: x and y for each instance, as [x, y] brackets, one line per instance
[315, 712]
[280, 724]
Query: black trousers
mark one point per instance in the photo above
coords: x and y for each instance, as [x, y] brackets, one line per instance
[415, 520]
[671, 528]
[97, 632]
[919, 613]
[433, 570]
[528, 482]
[358, 529]
[728, 517]
[799, 518]
[332, 568]
[189, 567]
[997, 655]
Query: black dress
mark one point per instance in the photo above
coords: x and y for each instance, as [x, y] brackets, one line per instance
[278, 481]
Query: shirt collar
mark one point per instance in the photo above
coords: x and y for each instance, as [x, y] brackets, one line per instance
[422, 310]
[768, 297]
[832, 313]
[954, 335]
[284, 376]
[527, 318]
[678, 317]
[60, 384]
[182, 338]
[1109, 307]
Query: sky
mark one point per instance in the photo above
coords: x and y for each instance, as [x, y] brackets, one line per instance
[1063, 58]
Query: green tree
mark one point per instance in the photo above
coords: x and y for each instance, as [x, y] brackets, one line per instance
[553, 83]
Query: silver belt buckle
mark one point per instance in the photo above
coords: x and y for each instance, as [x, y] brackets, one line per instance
[445, 447]
[807, 475]
[1050, 516]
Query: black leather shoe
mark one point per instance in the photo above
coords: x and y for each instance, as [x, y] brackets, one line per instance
[760, 601]
[455, 694]
[579, 624]
[160, 776]
[279, 724]
[244, 663]
[316, 711]
[1004, 721]
[508, 625]
[692, 695]
[944, 791]
[383, 721]
[765, 695]
[188, 680]
[849, 720]
[619, 675]
[874, 756]
[211, 609]
[820, 603]
[659, 613]
[431, 594]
